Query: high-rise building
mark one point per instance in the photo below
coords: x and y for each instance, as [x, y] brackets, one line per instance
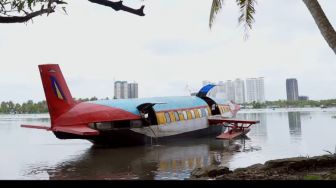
[221, 91]
[230, 90]
[261, 89]
[292, 89]
[120, 90]
[133, 90]
[255, 90]
[239, 91]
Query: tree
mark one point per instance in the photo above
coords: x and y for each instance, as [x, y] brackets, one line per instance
[93, 98]
[247, 11]
[19, 11]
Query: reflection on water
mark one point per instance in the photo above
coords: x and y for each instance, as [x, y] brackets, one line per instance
[294, 121]
[259, 129]
[172, 161]
[38, 154]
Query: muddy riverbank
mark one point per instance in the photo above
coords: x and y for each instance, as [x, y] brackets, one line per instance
[297, 168]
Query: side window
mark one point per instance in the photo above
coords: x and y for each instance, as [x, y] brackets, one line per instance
[200, 112]
[206, 111]
[209, 111]
[161, 118]
[180, 115]
[172, 116]
[203, 112]
[189, 114]
[192, 114]
[196, 113]
[167, 117]
[177, 118]
[185, 115]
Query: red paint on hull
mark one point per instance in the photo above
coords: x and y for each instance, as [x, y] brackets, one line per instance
[84, 113]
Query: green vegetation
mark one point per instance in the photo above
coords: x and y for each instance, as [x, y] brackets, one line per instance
[292, 104]
[312, 177]
[30, 107]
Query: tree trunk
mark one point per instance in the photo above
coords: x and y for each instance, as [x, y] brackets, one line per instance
[322, 22]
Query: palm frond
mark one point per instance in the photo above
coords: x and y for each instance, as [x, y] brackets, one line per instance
[247, 12]
[215, 7]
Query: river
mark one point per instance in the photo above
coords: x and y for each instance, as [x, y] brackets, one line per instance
[38, 154]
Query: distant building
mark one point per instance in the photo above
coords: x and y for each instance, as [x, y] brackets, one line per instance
[230, 90]
[292, 89]
[124, 90]
[120, 90]
[133, 90]
[303, 98]
[239, 91]
[220, 90]
[255, 90]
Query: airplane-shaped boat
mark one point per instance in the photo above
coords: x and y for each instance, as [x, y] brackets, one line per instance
[136, 121]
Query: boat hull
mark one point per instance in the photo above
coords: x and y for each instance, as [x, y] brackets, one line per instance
[128, 137]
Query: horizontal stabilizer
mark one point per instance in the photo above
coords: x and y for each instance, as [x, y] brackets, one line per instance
[37, 127]
[78, 130]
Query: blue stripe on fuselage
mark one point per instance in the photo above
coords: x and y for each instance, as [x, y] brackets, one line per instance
[171, 103]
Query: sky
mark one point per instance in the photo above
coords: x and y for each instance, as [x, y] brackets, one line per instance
[168, 49]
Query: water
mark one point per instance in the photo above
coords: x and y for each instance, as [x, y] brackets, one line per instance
[38, 154]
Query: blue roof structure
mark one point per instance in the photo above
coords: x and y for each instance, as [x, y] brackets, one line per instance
[204, 90]
[164, 103]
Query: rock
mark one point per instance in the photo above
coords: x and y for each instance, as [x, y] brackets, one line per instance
[289, 168]
[210, 171]
[198, 172]
[282, 162]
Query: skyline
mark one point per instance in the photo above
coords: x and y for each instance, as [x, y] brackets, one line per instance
[169, 48]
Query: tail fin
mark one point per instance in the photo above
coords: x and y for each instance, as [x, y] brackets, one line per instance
[56, 91]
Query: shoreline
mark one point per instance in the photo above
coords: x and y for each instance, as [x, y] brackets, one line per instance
[321, 167]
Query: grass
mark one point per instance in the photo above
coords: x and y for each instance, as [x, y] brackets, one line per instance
[312, 177]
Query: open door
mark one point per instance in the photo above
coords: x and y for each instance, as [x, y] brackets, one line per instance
[147, 113]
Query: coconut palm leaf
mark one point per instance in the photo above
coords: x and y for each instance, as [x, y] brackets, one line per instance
[215, 7]
[247, 11]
